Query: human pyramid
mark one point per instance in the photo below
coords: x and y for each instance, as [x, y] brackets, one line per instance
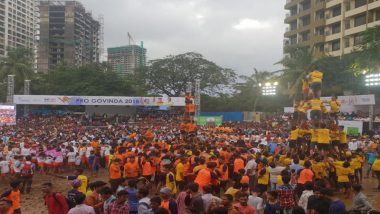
[322, 130]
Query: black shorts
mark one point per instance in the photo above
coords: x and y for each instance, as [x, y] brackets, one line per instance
[334, 114]
[261, 188]
[335, 143]
[343, 146]
[292, 143]
[315, 114]
[323, 146]
[316, 86]
[344, 185]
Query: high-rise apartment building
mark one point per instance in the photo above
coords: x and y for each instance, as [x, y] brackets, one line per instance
[332, 27]
[68, 34]
[17, 24]
[124, 60]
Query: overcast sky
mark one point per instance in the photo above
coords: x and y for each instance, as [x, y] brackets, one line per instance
[237, 34]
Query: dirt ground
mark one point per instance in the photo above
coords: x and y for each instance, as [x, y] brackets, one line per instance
[33, 203]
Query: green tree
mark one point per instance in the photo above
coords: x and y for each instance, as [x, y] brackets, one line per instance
[170, 75]
[18, 62]
[296, 64]
[368, 53]
[90, 80]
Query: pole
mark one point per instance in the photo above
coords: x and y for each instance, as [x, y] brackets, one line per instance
[197, 97]
[371, 117]
[26, 92]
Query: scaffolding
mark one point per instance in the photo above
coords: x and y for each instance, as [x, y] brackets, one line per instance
[197, 96]
[10, 89]
[101, 37]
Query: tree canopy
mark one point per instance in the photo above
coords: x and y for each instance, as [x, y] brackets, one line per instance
[171, 74]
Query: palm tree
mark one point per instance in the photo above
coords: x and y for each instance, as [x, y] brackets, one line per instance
[18, 62]
[253, 83]
[297, 63]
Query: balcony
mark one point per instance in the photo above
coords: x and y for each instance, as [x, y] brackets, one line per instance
[331, 3]
[291, 3]
[331, 37]
[355, 30]
[373, 24]
[356, 11]
[374, 4]
[332, 20]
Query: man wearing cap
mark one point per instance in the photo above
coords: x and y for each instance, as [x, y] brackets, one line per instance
[168, 202]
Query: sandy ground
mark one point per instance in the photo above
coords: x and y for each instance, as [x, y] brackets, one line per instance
[33, 202]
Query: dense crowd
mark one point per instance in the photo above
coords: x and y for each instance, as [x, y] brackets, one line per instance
[153, 167]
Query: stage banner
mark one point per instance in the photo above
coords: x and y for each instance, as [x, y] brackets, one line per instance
[97, 100]
[209, 120]
[7, 115]
[353, 128]
[356, 100]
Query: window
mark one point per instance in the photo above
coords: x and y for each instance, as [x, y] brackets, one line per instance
[335, 28]
[335, 45]
[305, 36]
[293, 25]
[320, 31]
[293, 11]
[321, 47]
[359, 3]
[336, 11]
[378, 15]
[346, 42]
[306, 5]
[358, 39]
[320, 15]
[360, 20]
[305, 20]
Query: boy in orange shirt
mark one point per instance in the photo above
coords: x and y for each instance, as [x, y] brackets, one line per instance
[14, 195]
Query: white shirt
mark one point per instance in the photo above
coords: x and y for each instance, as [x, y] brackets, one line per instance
[255, 202]
[71, 157]
[82, 209]
[4, 167]
[274, 172]
[304, 198]
[78, 160]
[353, 146]
[251, 165]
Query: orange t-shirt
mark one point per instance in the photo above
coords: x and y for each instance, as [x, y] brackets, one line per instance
[115, 172]
[238, 164]
[147, 169]
[131, 170]
[15, 197]
[305, 176]
[244, 180]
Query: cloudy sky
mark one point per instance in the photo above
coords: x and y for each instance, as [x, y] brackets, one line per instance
[237, 34]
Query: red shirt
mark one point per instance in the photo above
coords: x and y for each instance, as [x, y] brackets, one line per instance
[56, 203]
[244, 209]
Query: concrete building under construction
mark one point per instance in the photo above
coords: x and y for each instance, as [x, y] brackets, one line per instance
[68, 34]
[125, 59]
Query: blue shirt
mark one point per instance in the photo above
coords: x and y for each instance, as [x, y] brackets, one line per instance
[371, 157]
[133, 201]
[272, 147]
[337, 207]
[296, 167]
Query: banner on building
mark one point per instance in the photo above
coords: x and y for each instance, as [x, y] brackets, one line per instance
[356, 100]
[97, 100]
[7, 115]
[353, 128]
[209, 120]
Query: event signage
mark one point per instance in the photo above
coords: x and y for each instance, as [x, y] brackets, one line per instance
[356, 100]
[353, 128]
[209, 120]
[7, 115]
[97, 100]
